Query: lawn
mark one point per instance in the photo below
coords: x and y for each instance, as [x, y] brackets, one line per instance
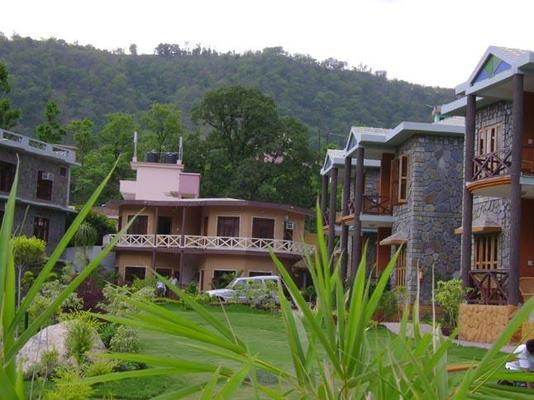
[262, 331]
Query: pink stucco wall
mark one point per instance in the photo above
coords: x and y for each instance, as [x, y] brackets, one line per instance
[158, 181]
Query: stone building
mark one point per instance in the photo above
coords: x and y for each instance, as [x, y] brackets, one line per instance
[44, 184]
[498, 195]
[416, 201]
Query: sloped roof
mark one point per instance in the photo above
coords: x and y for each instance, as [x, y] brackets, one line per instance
[337, 158]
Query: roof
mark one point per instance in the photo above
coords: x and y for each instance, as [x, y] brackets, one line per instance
[390, 138]
[219, 202]
[30, 145]
[337, 158]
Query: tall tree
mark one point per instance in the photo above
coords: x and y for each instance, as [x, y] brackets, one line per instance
[8, 116]
[81, 131]
[51, 131]
[163, 122]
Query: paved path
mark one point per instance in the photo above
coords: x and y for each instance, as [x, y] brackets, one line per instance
[426, 328]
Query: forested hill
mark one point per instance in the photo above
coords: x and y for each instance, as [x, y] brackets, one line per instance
[89, 83]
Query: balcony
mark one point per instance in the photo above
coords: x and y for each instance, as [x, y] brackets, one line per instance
[488, 286]
[491, 173]
[217, 243]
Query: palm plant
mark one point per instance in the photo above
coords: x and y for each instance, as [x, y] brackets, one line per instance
[12, 337]
[329, 344]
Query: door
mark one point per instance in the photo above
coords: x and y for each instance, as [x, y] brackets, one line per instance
[263, 228]
[139, 226]
[228, 226]
[164, 225]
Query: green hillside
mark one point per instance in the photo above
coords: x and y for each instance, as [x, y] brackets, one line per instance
[90, 83]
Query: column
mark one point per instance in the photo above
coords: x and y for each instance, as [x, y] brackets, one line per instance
[332, 212]
[345, 212]
[515, 174]
[356, 222]
[324, 195]
[467, 201]
[182, 250]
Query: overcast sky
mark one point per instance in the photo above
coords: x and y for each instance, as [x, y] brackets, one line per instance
[424, 41]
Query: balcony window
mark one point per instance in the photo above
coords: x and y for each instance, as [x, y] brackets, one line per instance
[289, 227]
[228, 226]
[263, 228]
[164, 225]
[44, 185]
[40, 228]
[139, 226]
[489, 139]
[486, 251]
[7, 175]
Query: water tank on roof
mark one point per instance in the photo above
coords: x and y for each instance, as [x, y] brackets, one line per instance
[151, 156]
[171, 158]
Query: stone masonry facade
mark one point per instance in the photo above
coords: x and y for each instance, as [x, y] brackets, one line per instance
[497, 209]
[432, 210]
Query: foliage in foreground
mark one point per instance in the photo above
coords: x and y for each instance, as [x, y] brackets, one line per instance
[329, 345]
[13, 336]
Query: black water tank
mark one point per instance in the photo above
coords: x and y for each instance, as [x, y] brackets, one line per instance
[171, 158]
[151, 156]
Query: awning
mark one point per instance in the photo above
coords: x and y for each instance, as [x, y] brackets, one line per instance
[482, 225]
[396, 239]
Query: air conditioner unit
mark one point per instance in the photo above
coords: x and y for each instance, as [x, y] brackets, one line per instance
[290, 225]
[47, 176]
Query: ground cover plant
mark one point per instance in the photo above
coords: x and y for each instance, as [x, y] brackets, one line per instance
[329, 346]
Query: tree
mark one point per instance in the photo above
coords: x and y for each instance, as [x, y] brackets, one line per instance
[51, 131]
[117, 135]
[81, 131]
[84, 237]
[28, 252]
[133, 49]
[163, 122]
[8, 116]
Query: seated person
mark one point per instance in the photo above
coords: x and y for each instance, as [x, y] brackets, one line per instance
[524, 359]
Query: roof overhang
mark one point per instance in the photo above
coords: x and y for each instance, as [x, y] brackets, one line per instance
[396, 239]
[481, 225]
[336, 158]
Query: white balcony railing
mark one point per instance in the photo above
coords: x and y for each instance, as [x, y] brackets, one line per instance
[212, 243]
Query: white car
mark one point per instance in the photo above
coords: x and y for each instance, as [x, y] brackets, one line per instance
[237, 289]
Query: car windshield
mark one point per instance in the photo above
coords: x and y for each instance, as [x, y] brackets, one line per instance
[235, 284]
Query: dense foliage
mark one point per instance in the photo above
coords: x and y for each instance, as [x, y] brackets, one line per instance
[90, 83]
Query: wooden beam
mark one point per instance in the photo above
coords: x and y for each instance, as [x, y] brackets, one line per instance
[356, 222]
[332, 212]
[345, 212]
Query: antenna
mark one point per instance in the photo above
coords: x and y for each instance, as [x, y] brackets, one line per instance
[134, 157]
[180, 151]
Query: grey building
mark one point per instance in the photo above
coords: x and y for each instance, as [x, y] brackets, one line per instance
[498, 192]
[415, 200]
[44, 182]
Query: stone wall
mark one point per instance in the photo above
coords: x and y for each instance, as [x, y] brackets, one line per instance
[372, 180]
[484, 323]
[433, 209]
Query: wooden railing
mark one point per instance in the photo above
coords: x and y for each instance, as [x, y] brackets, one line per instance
[212, 243]
[492, 164]
[374, 204]
[488, 286]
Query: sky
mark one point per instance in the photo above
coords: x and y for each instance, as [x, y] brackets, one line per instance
[430, 42]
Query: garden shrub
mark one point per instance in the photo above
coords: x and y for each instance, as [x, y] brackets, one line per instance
[81, 336]
[449, 295]
[125, 340]
[106, 331]
[68, 386]
[47, 365]
[387, 306]
[100, 367]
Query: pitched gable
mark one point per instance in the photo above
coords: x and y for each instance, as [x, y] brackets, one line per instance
[491, 67]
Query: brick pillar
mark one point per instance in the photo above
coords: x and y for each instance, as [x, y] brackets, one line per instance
[467, 209]
[332, 212]
[345, 212]
[356, 222]
[515, 203]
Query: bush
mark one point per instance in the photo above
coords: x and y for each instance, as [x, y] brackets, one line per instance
[100, 367]
[387, 306]
[46, 366]
[49, 291]
[81, 336]
[192, 288]
[115, 298]
[68, 386]
[107, 331]
[449, 295]
[125, 340]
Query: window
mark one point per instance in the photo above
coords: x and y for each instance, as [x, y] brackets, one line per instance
[228, 226]
[289, 227]
[139, 226]
[259, 273]
[400, 273]
[263, 228]
[44, 185]
[164, 225]
[403, 178]
[40, 228]
[63, 171]
[167, 272]
[486, 251]
[132, 273]
[7, 175]
[489, 139]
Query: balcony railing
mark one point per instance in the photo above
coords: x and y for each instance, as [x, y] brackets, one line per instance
[492, 164]
[373, 204]
[212, 243]
[488, 286]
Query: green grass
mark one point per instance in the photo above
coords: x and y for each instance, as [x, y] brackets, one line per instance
[262, 331]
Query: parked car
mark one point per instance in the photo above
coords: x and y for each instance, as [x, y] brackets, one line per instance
[245, 289]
